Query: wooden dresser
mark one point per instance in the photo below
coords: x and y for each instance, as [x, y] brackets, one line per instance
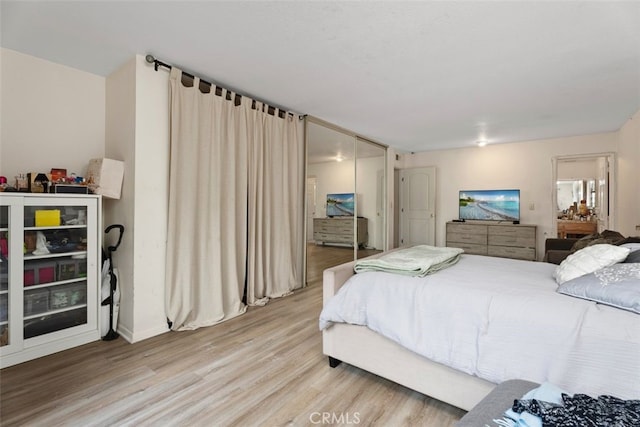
[499, 240]
[339, 230]
[572, 228]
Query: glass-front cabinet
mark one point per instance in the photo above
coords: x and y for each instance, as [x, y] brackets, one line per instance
[5, 218]
[49, 270]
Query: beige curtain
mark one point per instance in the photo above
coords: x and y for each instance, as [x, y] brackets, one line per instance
[276, 203]
[206, 244]
[235, 206]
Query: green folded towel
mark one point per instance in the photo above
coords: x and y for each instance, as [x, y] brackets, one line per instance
[416, 261]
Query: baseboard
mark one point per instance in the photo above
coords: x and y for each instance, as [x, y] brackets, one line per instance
[131, 337]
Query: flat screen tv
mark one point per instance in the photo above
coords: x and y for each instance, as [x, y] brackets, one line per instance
[340, 204]
[492, 205]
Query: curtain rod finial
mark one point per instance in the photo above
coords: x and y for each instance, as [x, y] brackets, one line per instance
[150, 59]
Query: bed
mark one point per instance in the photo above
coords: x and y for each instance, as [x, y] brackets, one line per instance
[526, 330]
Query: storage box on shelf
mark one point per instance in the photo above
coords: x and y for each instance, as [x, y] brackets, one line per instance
[52, 279]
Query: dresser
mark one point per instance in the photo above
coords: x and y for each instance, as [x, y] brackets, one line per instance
[500, 240]
[340, 230]
[572, 228]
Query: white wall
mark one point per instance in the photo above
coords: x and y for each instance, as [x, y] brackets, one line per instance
[628, 199]
[138, 133]
[579, 169]
[120, 145]
[523, 165]
[52, 116]
[151, 197]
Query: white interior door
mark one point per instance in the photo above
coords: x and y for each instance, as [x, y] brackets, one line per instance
[417, 206]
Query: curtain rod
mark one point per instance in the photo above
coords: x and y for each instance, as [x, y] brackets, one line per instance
[157, 63]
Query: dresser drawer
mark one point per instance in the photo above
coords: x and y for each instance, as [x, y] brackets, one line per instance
[334, 229]
[333, 225]
[510, 252]
[480, 239]
[510, 230]
[519, 241]
[469, 248]
[333, 238]
[461, 228]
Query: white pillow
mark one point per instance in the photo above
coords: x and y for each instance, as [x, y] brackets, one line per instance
[632, 246]
[588, 260]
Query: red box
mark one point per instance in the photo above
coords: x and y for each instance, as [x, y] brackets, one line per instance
[39, 272]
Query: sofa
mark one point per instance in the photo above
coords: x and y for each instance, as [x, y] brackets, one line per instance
[556, 250]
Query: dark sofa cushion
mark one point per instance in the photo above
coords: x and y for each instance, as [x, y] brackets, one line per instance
[611, 235]
[634, 239]
[583, 242]
[607, 236]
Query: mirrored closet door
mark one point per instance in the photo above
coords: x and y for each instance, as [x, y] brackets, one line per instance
[345, 197]
[371, 195]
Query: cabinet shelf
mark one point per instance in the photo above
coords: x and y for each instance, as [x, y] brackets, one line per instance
[56, 283]
[77, 254]
[56, 311]
[55, 227]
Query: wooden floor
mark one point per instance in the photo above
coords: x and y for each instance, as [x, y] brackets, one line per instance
[264, 368]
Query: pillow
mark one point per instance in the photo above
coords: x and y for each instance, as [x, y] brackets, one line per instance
[617, 285]
[633, 257]
[632, 246]
[588, 260]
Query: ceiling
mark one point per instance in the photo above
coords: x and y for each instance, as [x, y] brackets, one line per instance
[417, 76]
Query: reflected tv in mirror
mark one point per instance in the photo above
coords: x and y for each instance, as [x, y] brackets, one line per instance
[340, 204]
[489, 205]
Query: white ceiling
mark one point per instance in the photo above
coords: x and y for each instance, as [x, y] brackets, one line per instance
[417, 76]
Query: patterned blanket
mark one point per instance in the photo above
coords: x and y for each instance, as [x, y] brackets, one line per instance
[579, 410]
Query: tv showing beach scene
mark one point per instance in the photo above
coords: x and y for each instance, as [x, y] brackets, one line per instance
[493, 205]
[340, 204]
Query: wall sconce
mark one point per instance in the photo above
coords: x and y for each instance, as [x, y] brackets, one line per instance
[481, 142]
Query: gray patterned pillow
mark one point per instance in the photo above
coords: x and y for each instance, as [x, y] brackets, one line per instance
[633, 257]
[617, 285]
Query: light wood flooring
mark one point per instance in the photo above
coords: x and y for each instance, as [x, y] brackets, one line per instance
[264, 368]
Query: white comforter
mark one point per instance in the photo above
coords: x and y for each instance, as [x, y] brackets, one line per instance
[499, 319]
